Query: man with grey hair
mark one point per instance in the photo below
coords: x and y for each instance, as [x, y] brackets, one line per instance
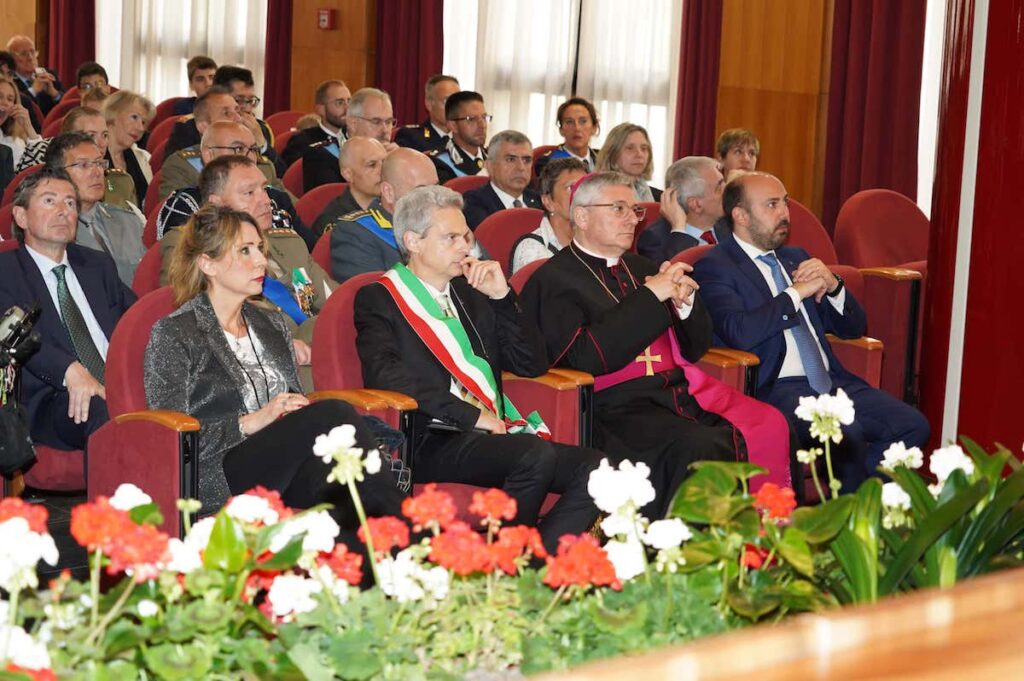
[442, 329]
[509, 164]
[690, 207]
[640, 329]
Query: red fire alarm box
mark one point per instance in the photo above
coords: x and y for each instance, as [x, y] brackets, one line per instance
[325, 19]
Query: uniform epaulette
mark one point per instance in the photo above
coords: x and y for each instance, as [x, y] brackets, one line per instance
[280, 231]
[114, 171]
[186, 118]
[355, 215]
[411, 125]
[323, 143]
[190, 152]
[435, 152]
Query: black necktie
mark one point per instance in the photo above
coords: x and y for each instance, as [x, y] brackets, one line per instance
[86, 350]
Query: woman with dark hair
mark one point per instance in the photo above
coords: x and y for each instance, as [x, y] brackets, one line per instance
[230, 363]
[577, 123]
[627, 150]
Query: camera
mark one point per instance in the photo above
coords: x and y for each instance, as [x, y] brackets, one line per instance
[17, 339]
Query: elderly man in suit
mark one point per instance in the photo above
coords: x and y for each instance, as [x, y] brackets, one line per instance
[690, 206]
[509, 164]
[41, 84]
[82, 300]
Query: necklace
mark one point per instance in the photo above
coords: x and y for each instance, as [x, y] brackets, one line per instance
[599, 279]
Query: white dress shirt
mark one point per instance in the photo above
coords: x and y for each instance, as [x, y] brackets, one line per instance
[507, 199]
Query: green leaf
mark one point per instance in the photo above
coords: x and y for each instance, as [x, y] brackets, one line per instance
[859, 568]
[621, 620]
[988, 466]
[754, 603]
[285, 558]
[709, 484]
[947, 567]
[177, 662]
[200, 581]
[209, 616]
[865, 519]
[738, 470]
[1008, 493]
[822, 522]
[1001, 540]
[226, 550]
[122, 635]
[310, 662]
[921, 500]
[352, 656]
[147, 514]
[793, 547]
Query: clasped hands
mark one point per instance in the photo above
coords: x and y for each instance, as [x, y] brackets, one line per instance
[673, 282]
[813, 278]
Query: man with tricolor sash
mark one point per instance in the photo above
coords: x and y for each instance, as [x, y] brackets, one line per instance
[640, 329]
[441, 329]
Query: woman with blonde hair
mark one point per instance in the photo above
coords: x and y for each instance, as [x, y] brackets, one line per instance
[127, 115]
[627, 150]
[230, 363]
[16, 129]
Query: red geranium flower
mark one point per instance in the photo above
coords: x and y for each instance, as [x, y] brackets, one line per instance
[461, 549]
[430, 506]
[35, 514]
[754, 557]
[512, 543]
[344, 564]
[387, 533]
[273, 498]
[774, 501]
[95, 524]
[141, 548]
[493, 505]
[34, 674]
[580, 561]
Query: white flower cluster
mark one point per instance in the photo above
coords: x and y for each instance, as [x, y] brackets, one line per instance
[614, 488]
[944, 461]
[22, 650]
[898, 455]
[896, 503]
[339, 447]
[319, 528]
[405, 579]
[21, 549]
[826, 414]
[251, 509]
[185, 555]
[127, 496]
[292, 594]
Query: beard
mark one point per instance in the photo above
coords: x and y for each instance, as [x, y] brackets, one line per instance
[769, 240]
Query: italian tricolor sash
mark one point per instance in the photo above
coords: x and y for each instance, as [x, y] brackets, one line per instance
[447, 340]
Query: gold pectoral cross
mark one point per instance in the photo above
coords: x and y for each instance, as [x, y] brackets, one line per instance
[648, 359]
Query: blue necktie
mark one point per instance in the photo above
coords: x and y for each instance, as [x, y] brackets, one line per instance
[810, 352]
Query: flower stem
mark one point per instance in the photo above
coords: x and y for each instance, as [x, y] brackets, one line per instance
[94, 587]
[111, 614]
[366, 528]
[12, 619]
[817, 484]
[833, 487]
[551, 605]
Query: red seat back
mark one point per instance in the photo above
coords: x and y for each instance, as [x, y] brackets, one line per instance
[519, 279]
[149, 231]
[691, 255]
[52, 129]
[164, 110]
[313, 202]
[16, 180]
[156, 160]
[7, 221]
[322, 252]
[124, 371]
[161, 132]
[807, 232]
[292, 179]
[881, 228]
[63, 106]
[500, 231]
[284, 121]
[152, 202]
[8, 245]
[335, 360]
[541, 150]
[467, 183]
[652, 216]
[281, 140]
[147, 274]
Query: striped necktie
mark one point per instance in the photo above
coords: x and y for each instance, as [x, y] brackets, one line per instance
[81, 339]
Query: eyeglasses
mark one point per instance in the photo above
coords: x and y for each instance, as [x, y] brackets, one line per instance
[247, 101]
[621, 209]
[101, 163]
[380, 122]
[238, 149]
[483, 118]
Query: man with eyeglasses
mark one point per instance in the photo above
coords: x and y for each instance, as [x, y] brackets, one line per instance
[464, 152]
[432, 133]
[101, 226]
[369, 115]
[35, 81]
[225, 138]
[509, 163]
[640, 329]
[331, 105]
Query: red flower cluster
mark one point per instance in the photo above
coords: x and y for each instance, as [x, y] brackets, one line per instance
[428, 507]
[461, 549]
[35, 675]
[273, 498]
[774, 501]
[95, 524]
[753, 557]
[387, 533]
[581, 562]
[493, 505]
[344, 564]
[100, 526]
[35, 514]
[512, 543]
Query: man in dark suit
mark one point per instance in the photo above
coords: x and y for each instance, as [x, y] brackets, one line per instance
[779, 303]
[330, 103]
[432, 133]
[41, 84]
[690, 207]
[452, 367]
[81, 299]
[509, 163]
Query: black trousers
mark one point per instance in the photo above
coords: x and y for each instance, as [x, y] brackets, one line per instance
[280, 457]
[524, 466]
[53, 428]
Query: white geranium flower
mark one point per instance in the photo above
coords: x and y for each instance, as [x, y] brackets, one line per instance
[627, 557]
[63, 616]
[147, 608]
[251, 509]
[896, 503]
[435, 582]
[184, 556]
[948, 459]
[338, 587]
[398, 577]
[22, 650]
[319, 527]
[808, 456]
[898, 455]
[667, 534]
[826, 414]
[128, 496]
[612, 488]
[199, 535]
[339, 438]
[373, 462]
[623, 523]
[21, 549]
[292, 595]
[339, 447]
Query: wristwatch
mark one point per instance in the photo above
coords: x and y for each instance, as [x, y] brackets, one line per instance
[839, 287]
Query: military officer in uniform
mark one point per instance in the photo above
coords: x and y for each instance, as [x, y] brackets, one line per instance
[464, 152]
[432, 133]
[360, 160]
[331, 105]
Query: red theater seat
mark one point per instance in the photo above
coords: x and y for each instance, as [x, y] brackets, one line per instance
[312, 203]
[467, 183]
[499, 232]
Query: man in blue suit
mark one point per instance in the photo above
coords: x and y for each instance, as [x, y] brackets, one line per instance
[81, 299]
[779, 303]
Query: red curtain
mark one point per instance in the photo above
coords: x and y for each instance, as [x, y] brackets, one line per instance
[699, 57]
[410, 49]
[277, 61]
[72, 37]
[874, 101]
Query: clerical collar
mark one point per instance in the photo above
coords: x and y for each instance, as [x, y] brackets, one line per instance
[609, 262]
[506, 198]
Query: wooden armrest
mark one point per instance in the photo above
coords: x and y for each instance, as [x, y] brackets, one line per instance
[741, 357]
[174, 420]
[581, 377]
[865, 342]
[550, 379]
[894, 273]
[357, 398]
[395, 400]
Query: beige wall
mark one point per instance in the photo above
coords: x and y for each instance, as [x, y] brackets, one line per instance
[24, 17]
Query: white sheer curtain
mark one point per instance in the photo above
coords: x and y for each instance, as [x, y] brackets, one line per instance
[145, 44]
[931, 82]
[521, 55]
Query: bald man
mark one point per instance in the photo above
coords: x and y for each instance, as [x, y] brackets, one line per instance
[360, 160]
[363, 241]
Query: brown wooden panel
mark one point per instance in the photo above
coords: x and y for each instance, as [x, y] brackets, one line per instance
[18, 17]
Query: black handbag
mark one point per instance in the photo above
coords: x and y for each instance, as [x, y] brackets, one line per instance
[15, 443]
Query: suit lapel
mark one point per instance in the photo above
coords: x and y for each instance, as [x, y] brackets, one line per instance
[90, 277]
[33, 278]
[745, 264]
[208, 325]
[275, 350]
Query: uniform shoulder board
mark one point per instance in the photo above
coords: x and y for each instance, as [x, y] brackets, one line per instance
[411, 125]
[280, 231]
[355, 215]
[323, 143]
[114, 171]
[434, 153]
[186, 118]
[190, 152]
[264, 159]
